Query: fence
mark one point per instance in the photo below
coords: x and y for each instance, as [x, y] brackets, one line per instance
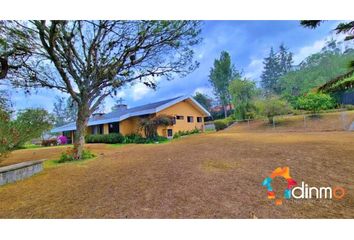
[336, 121]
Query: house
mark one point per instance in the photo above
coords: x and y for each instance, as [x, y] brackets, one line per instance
[188, 114]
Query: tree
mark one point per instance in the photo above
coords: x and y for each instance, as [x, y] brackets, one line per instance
[271, 73]
[29, 124]
[203, 100]
[242, 92]
[32, 123]
[220, 76]
[150, 125]
[90, 60]
[344, 28]
[285, 60]
[315, 71]
[275, 66]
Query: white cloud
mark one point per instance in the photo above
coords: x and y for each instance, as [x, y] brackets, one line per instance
[254, 69]
[315, 47]
[139, 90]
[306, 51]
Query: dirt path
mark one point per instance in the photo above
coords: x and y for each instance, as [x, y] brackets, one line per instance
[216, 175]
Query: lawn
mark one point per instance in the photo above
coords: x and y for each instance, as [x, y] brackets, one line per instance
[211, 175]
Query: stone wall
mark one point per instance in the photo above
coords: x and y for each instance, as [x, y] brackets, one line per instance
[19, 171]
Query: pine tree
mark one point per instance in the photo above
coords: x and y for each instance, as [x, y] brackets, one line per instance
[275, 66]
[271, 73]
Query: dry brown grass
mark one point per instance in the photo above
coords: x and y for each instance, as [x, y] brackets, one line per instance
[214, 175]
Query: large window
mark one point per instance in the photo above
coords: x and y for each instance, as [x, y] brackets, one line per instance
[199, 119]
[113, 127]
[189, 119]
[97, 129]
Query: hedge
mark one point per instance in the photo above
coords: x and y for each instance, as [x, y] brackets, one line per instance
[105, 138]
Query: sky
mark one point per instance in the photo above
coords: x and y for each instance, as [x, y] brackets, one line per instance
[248, 42]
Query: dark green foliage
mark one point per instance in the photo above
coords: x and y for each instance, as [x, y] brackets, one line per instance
[243, 92]
[29, 124]
[315, 102]
[220, 77]
[275, 66]
[32, 123]
[315, 71]
[133, 138]
[105, 138]
[203, 100]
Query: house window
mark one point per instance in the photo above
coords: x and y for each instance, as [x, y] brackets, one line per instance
[179, 117]
[113, 127]
[169, 133]
[199, 119]
[189, 119]
[97, 129]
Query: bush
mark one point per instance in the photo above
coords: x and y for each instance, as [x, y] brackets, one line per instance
[315, 102]
[68, 155]
[220, 125]
[49, 142]
[184, 133]
[105, 138]
[133, 138]
[223, 123]
[62, 140]
[272, 107]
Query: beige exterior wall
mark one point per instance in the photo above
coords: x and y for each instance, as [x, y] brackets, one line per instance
[105, 129]
[185, 109]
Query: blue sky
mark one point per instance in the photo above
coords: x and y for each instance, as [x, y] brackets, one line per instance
[248, 42]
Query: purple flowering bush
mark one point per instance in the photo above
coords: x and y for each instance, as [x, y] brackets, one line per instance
[62, 140]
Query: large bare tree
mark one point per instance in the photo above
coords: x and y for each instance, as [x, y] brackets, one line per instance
[91, 60]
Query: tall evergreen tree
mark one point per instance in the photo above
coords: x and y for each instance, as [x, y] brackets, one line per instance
[271, 73]
[220, 77]
[285, 59]
[275, 66]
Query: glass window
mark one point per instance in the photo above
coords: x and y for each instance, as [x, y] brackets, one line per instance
[190, 119]
[179, 117]
[199, 119]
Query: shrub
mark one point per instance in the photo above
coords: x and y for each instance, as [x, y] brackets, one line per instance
[272, 107]
[133, 138]
[223, 123]
[62, 140]
[105, 138]
[315, 102]
[187, 132]
[49, 142]
[220, 125]
[68, 155]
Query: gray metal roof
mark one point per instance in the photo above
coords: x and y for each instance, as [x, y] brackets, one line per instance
[120, 115]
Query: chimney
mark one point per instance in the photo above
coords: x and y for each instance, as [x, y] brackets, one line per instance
[119, 107]
[97, 115]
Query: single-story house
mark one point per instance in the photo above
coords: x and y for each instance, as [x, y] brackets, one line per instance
[188, 114]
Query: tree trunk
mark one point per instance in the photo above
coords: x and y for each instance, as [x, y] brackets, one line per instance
[81, 124]
[225, 111]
